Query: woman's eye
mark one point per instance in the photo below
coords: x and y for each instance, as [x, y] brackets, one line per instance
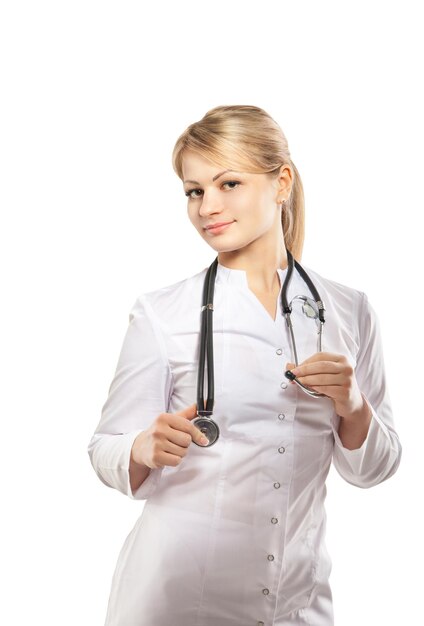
[190, 191]
[231, 182]
[228, 182]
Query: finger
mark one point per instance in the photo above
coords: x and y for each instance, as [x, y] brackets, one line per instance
[175, 437]
[182, 433]
[314, 358]
[320, 379]
[176, 447]
[316, 368]
[323, 356]
[334, 392]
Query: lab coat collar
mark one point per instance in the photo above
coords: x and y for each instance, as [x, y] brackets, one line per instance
[239, 277]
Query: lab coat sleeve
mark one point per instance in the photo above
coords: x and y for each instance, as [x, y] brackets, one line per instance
[379, 456]
[139, 392]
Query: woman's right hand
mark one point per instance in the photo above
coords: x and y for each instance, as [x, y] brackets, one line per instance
[167, 440]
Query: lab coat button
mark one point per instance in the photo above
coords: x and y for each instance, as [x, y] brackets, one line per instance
[279, 351]
[277, 485]
[283, 385]
[274, 520]
[270, 557]
[281, 416]
[265, 592]
[281, 450]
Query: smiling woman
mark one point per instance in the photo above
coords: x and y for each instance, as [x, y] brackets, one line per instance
[234, 211]
[233, 529]
[255, 156]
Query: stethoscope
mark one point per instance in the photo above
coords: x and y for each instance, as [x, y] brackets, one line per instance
[312, 308]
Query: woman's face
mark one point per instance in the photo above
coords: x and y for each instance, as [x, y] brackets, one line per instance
[249, 202]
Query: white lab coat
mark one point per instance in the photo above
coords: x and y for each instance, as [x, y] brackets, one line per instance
[235, 534]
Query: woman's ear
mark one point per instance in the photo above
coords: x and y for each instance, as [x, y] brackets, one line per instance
[285, 181]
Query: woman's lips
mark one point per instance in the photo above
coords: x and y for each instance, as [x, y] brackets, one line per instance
[218, 229]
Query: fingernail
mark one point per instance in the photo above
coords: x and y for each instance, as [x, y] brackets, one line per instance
[204, 440]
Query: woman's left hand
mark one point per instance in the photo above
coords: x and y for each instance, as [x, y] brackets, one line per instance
[332, 375]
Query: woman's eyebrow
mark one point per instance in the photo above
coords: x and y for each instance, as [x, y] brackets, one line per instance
[213, 179]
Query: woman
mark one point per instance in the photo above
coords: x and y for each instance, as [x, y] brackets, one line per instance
[233, 534]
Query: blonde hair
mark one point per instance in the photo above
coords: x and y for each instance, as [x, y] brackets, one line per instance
[246, 138]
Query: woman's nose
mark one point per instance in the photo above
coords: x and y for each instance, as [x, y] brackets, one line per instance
[210, 204]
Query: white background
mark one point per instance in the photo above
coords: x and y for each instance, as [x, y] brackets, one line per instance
[94, 96]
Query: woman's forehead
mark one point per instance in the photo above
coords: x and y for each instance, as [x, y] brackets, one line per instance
[195, 165]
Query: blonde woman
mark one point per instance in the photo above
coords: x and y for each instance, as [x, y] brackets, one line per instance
[233, 529]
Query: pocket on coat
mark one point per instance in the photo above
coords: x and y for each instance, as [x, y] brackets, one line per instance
[299, 577]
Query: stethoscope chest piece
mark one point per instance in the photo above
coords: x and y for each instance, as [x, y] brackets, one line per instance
[209, 428]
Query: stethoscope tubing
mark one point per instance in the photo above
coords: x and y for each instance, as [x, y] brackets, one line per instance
[204, 421]
[206, 344]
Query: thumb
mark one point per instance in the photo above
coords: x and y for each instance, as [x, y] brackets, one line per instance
[290, 366]
[189, 412]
